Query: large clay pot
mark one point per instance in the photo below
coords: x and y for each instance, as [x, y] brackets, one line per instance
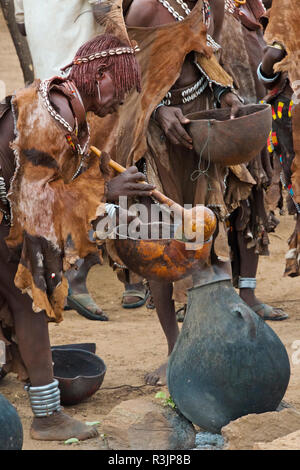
[11, 430]
[227, 361]
[219, 139]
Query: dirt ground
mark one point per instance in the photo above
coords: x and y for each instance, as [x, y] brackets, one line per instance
[132, 342]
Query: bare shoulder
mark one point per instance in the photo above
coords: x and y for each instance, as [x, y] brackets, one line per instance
[217, 13]
[142, 13]
[61, 104]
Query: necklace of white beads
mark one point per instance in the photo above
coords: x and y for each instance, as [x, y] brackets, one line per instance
[230, 6]
[210, 41]
[172, 10]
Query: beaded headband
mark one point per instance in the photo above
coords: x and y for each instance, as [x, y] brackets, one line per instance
[97, 55]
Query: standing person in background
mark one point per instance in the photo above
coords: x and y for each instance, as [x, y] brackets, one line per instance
[171, 156]
[243, 45]
[281, 145]
[55, 30]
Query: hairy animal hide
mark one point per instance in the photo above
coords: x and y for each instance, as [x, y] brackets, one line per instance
[162, 53]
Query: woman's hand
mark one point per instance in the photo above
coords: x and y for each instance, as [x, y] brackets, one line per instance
[171, 120]
[128, 184]
[230, 100]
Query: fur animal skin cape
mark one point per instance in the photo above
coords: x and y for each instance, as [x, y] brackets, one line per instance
[51, 213]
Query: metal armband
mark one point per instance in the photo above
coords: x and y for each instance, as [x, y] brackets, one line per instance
[247, 283]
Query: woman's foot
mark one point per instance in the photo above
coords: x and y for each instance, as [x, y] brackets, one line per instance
[267, 312]
[158, 376]
[135, 295]
[79, 298]
[60, 427]
[263, 310]
[85, 306]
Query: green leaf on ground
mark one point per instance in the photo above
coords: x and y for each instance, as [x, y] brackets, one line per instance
[72, 440]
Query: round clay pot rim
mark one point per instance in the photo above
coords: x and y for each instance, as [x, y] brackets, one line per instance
[262, 106]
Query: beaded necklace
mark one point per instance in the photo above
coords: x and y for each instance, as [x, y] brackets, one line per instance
[206, 17]
[172, 10]
[230, 6]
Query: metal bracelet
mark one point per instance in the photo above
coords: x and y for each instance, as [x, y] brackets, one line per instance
[219, 90]
[158, 106]
[50, 396]
[42, 388]
[247, 283]
[44, 400]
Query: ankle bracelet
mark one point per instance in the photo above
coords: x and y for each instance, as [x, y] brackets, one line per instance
[247, 283]
[44, 400]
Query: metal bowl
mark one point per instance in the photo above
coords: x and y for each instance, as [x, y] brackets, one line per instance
[80, 374]
[219, 139]
[163, 259]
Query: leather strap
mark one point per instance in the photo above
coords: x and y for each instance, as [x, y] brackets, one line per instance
[79, 135]
[245, 15]
[76, 104]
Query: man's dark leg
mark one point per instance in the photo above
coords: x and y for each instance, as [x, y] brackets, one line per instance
[136, 292]
[32, 335]
[34, 346]
[248, 269]
[162, 297]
